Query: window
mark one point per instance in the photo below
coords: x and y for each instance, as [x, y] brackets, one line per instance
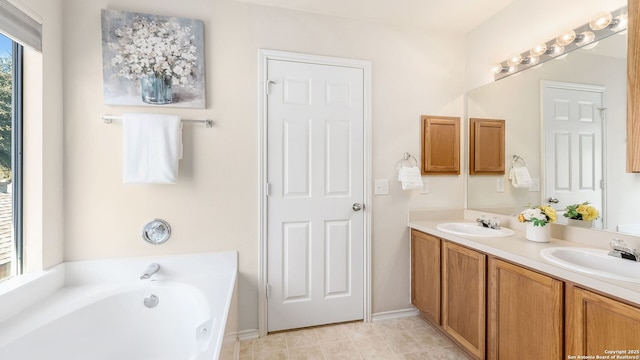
[10, 158]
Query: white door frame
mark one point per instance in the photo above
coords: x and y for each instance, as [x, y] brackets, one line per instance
[265, 56]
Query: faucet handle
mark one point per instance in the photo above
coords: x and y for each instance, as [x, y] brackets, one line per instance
[618, 244]
[622, 250]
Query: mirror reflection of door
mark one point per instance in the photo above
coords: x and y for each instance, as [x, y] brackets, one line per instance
[573, 122]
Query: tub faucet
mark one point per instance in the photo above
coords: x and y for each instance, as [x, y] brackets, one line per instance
[150, 270]
[621, 250]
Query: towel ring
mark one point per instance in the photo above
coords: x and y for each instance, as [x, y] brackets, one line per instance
[516, 159]
[406, 157]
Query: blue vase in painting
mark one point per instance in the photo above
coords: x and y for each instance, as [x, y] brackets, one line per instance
[157, 89]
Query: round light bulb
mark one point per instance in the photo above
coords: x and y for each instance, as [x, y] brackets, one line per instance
[497, 68]
[601, 21]
[585, 38]
[566, 38]
[555, 50]
[531, 60]
[515, 60]
[621, 22]
[538, 50]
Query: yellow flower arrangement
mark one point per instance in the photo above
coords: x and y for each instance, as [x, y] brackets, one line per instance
[584, 212]
[539, 215]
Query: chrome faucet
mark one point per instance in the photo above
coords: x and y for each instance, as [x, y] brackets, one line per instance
[493, 223]
[621, 250]
[150, 270]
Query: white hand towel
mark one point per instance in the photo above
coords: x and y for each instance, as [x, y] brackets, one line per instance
[410, 178]
[520, 177]
[152, 148]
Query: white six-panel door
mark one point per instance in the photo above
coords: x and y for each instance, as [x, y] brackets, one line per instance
[315, 232]
[572, 122]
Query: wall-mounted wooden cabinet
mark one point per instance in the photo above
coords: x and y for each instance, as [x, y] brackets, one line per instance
[486, 146]
[633, 87]
[440, 145]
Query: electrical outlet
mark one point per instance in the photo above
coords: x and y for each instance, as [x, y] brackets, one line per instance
[381, 187]
[500, 184]
[425, 186]
[535, 186]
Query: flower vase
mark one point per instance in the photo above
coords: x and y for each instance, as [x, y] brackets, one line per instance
[156, 89]
[538, 233]
[580, 223]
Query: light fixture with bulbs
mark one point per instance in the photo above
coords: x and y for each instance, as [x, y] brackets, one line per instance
[586, 36]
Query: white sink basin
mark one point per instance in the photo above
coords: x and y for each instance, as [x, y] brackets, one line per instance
[472, 229]
[595, 262]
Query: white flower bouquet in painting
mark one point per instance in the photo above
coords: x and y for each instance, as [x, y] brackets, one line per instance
[159, 52]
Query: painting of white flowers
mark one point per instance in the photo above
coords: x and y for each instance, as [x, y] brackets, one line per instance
[152, 60]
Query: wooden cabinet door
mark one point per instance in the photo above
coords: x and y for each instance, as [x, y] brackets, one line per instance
[463, 297]
[486, 146]
[440, 145]
[596, 323]
[425, 274]
[525, 313]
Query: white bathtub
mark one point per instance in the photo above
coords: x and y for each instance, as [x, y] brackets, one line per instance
[95, 310]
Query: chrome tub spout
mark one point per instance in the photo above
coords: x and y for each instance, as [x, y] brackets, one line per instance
[150, 270]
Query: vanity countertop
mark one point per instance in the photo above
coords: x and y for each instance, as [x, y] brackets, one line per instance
[519, 250]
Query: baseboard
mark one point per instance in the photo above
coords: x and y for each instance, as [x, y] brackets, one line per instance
[248, 334]
[381, 316]
[395, 314]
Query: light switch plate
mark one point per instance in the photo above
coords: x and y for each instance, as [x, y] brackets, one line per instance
[500, 184]
[425, 186]
[381, 187]
[536, 184]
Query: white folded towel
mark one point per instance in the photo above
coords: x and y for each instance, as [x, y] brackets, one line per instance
[410, 178]
[152, 148]
[520, 177]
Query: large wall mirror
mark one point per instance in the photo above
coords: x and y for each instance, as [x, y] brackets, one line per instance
[596, 161]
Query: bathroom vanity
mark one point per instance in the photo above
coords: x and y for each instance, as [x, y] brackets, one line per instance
[498, 298]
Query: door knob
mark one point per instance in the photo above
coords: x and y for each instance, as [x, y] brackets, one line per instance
[357, 207]
[553, 200]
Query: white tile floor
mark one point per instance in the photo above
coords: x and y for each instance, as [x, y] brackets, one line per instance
[409, 338]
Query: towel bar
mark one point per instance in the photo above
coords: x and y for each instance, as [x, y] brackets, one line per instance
[108, 119]
[408, 156]
[517, 158]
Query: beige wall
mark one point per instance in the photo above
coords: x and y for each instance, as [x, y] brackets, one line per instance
[215, 205]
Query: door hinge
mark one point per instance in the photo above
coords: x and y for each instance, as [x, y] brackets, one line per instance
[268, 291]
[268, 86]
[267, 189]
[602, 184]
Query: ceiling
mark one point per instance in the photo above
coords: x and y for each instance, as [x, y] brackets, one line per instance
[457, 16]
